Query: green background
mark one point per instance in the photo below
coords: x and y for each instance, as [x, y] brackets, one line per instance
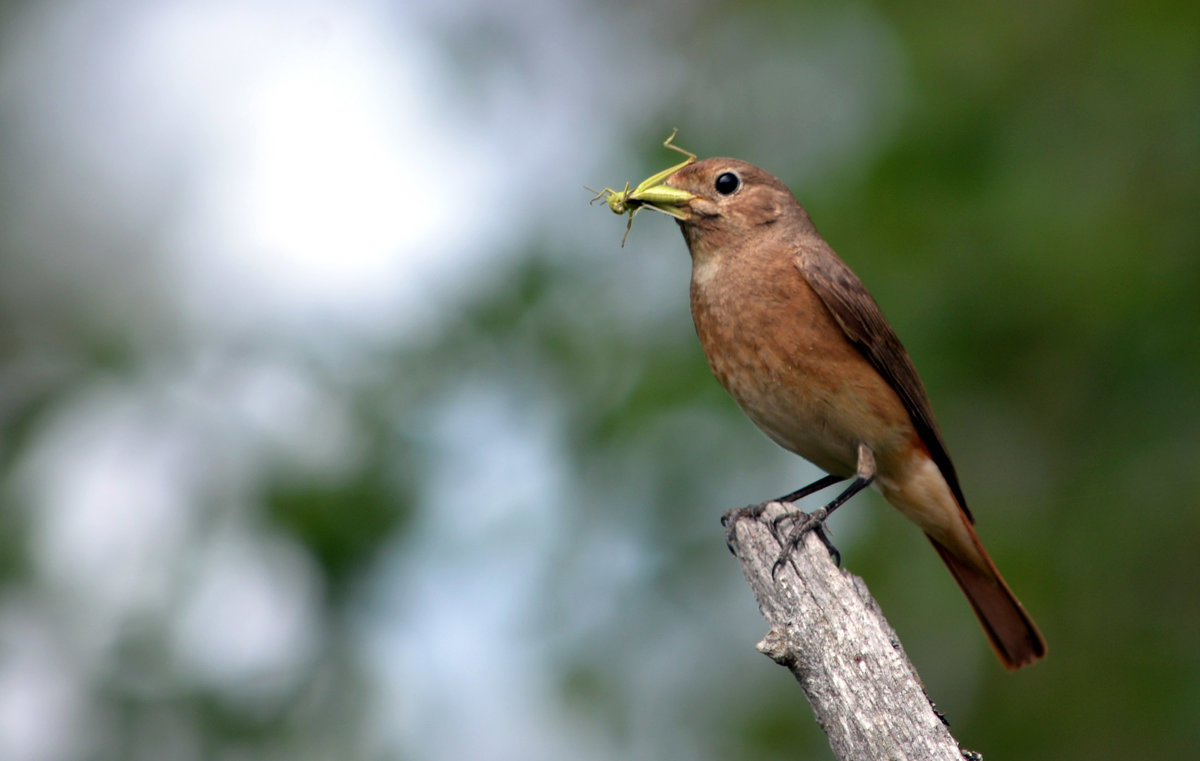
[1018, 186]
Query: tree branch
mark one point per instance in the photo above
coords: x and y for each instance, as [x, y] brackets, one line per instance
[828, 630]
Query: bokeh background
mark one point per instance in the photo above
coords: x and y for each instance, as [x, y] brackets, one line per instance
[335, 424]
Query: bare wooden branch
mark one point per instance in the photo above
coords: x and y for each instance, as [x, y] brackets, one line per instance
[828, 630]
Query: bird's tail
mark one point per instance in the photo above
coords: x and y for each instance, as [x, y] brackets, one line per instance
[1011, 631]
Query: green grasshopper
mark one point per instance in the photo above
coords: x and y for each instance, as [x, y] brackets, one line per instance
[650, 192]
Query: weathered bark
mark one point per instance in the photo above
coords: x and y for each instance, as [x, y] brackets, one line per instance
[828, 630]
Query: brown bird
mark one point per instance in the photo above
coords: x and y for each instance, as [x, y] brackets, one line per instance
[798, 342]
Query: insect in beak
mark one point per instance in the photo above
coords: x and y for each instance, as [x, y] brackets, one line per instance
[651, 192]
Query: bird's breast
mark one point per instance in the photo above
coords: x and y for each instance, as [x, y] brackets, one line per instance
[777, 350]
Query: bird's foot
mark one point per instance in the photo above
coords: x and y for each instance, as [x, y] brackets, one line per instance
[789, 537]
[801, 523]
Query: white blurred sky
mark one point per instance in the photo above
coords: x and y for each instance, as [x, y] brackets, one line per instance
[315, 164]
[314, 171]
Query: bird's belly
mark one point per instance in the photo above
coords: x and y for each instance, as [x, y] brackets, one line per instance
[797, 410]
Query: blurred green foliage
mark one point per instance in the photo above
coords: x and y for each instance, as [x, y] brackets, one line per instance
[1029, 225]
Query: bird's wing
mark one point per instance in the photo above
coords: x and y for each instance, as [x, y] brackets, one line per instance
[863, 322]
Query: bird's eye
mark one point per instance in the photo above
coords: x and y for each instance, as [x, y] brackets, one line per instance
[727, 182]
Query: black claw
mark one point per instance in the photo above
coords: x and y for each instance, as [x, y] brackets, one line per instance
[833, 551]
[815, 522]
[777, 522]
[812, 522]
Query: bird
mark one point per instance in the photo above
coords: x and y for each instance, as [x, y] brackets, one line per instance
[796, 339]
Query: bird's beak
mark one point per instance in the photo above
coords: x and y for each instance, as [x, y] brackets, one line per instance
[651, 193]
[655, 193]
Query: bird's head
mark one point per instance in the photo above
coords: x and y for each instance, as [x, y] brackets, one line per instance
[717, 201]
[725, 193]
[722, 204]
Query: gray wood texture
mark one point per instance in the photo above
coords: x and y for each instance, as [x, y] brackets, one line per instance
[830, 633]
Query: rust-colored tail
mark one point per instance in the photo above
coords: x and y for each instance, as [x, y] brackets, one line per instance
[1011, 631]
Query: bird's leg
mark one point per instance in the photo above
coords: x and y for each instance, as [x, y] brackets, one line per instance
[813, 488]
[863, 477]
[815, 521]
[791, 499]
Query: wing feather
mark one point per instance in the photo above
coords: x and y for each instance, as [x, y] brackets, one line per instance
[861, 319]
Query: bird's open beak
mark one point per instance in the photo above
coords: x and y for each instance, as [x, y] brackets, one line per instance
[651, 193]
[654, 193]
[661, 197]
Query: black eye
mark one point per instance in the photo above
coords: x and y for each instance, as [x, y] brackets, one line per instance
[727, 182]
